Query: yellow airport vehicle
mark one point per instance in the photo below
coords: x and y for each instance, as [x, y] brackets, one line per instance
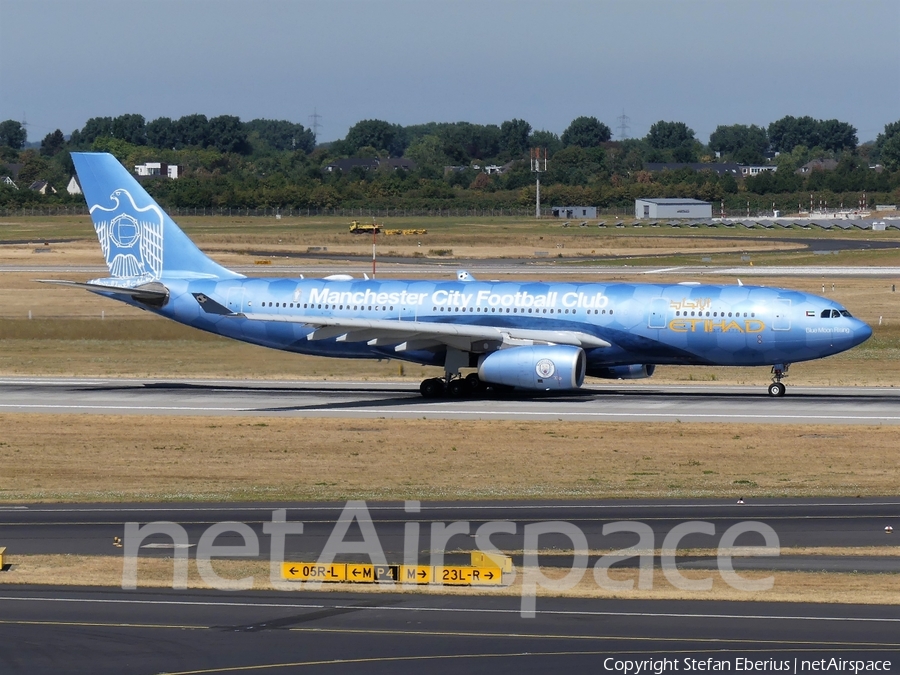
[358, 227]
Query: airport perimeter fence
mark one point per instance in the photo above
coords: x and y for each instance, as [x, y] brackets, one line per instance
[358, 213]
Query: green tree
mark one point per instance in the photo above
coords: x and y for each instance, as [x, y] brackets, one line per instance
[13, 134]
[514, 137]
[35, 167]
[586, 132]
[161, 133]
[428, 151]
[378, 134]
[575, 165]
[788, 132]
[546, 139]
[890, 153]
[130, 128]
[192, 130]
[53, 143]
[282, 135]
[227, 134]
[737, 138]
[93, 129]
[669, 135]
[887, 146]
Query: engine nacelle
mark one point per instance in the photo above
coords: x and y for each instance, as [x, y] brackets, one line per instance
[537, 367]
[636, 371]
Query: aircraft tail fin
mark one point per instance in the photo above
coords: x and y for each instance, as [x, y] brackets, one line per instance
[140, 242]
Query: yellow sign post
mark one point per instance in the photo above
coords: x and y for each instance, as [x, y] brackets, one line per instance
[297, 571]
[358, 573]
[2, 551]
[468, 576]
[416, 574]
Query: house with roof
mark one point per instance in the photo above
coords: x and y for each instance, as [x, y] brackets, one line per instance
[146, 169]
[43, 187]
[817, 165]
[7, 180]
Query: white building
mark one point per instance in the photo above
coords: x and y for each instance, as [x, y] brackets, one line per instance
[574, 211]
[158, 169]
[672, 208]
[74, 187]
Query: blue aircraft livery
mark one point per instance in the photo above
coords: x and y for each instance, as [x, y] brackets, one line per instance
[530, 335]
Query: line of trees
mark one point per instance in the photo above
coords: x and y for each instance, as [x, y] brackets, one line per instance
[277, 163]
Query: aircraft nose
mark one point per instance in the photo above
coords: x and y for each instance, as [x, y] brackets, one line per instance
[861, 332]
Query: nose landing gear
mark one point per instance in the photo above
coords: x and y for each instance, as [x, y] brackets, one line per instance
[777, 388]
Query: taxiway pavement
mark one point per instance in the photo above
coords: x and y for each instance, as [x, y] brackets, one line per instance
[99, 631]
[641, 402]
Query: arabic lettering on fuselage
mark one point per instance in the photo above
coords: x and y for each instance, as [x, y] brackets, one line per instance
[448, 298]
[684, 303]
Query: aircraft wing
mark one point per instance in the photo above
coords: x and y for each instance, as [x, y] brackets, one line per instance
[413, 335]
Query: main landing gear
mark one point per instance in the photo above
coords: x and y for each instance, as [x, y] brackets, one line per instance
[452, 387]
[777, 388]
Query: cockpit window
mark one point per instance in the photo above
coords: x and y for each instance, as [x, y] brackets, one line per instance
[833, 313]
[844, 312]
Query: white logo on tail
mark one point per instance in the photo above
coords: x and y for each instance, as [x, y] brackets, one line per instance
[131, 238]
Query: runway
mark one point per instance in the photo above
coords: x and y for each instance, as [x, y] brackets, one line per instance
[89, 529]
[642, 402]
[96, 631]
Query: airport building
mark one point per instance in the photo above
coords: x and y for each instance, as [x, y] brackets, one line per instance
[574, 211]
[672, 208]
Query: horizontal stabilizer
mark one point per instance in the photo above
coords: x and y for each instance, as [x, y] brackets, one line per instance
[152, 291]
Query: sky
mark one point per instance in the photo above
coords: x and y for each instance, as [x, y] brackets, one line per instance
[702, 62]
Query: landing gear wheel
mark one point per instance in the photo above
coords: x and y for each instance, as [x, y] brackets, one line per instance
[457, 389]
[474, 383]
[777, 389]
[432, 388]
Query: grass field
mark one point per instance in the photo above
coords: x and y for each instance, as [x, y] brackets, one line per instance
[157, 573]
[64, 458]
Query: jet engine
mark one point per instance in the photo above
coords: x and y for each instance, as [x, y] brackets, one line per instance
[536, 367]
[636, 371]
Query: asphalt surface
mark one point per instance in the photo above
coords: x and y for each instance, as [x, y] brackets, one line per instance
[643, 402]
[89, 529]
[99, 631]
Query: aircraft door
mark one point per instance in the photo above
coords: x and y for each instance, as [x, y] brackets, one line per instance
[658, 309]
[782, 315]
[236, 299]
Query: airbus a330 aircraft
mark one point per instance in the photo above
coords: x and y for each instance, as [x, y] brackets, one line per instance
[531, 336]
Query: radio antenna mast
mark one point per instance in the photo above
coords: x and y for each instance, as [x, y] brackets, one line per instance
[538, 164]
